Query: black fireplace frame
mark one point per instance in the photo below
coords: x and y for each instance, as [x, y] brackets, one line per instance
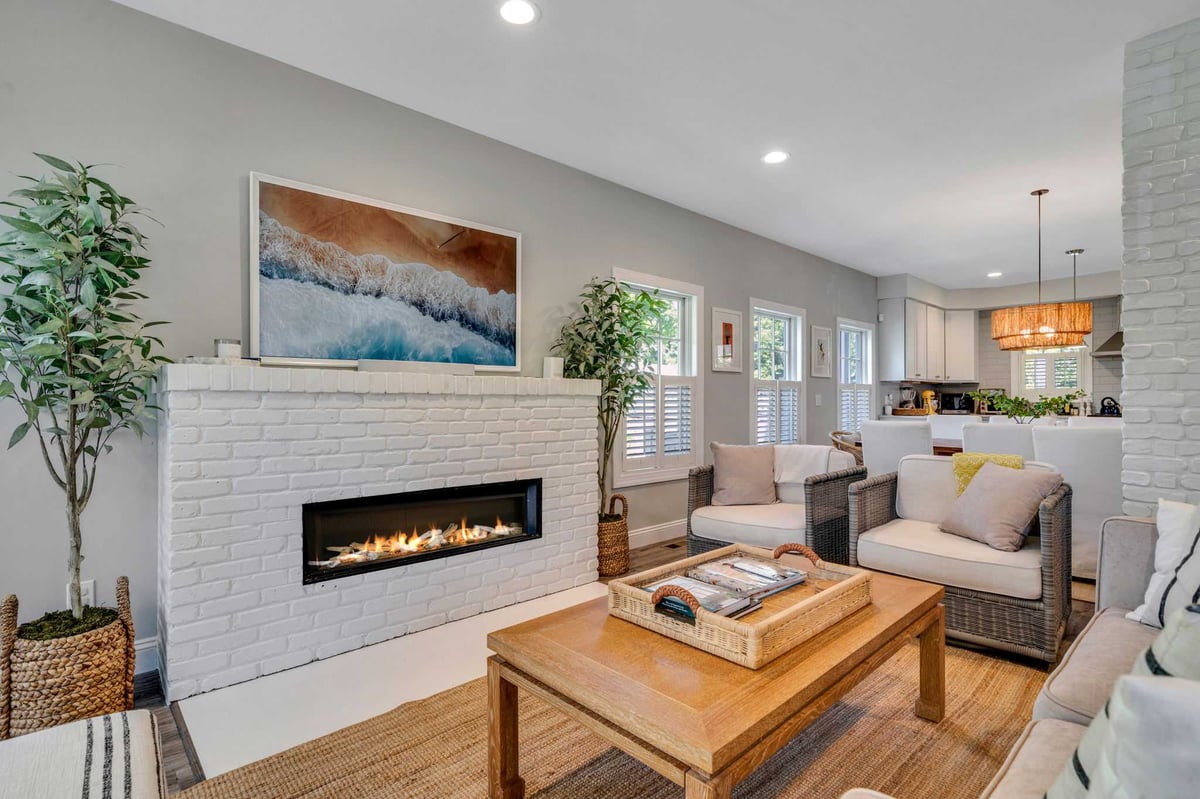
[532, 528]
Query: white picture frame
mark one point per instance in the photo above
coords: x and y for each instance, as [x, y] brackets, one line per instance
[726, 340]
[821, 357]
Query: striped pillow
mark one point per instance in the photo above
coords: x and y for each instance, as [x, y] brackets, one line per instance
[1176, 579]
[1174, 653]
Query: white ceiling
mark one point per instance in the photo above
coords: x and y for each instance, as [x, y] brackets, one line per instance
[917, 129]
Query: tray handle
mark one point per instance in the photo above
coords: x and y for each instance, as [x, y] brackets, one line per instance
[799, 549]
[665, 591]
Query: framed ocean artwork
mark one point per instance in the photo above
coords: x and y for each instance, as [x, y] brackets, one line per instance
[336, 278]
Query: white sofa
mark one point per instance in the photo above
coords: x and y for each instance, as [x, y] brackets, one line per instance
[1083, 681]
[819, 523]
[1017, 601]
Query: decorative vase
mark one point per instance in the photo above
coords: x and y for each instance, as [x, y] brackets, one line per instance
[47, 683]
[614, 539]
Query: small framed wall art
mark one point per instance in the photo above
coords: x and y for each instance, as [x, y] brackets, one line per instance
[726, 340]
[822, 352]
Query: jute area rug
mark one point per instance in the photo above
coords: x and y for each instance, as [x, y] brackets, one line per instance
[437, 747]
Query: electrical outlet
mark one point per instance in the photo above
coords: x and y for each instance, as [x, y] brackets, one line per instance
[819, 400]
[87, 592]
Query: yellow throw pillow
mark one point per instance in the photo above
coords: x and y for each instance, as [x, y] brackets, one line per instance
[966, 464]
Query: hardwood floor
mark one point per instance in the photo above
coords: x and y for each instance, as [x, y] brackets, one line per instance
[180, 773]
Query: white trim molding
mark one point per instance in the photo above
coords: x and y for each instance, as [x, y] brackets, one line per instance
[657, 533]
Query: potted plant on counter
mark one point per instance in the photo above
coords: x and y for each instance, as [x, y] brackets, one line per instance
[1023, 410]
[611, 340]
[78, 362]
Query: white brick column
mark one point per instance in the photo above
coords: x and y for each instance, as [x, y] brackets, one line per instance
[242, 449]
[1160, 389]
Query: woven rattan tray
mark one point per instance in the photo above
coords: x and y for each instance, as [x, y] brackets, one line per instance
[831, 593]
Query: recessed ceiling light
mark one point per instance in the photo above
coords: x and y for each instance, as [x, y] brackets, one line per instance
[775, 157]
[519, 12]
[995, 274]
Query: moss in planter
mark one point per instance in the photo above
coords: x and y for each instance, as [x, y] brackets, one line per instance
[609, 517]
[62, 624]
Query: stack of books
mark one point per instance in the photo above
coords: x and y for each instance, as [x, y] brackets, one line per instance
[731, 587]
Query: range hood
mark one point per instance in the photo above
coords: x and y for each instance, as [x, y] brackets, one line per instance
[1111, 348]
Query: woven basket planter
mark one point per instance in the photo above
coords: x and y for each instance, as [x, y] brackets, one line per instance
[614, 539]
[47, 683]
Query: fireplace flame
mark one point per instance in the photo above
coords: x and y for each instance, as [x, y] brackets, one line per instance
[399, 544]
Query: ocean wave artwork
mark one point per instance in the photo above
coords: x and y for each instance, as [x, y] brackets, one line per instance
[319, 300]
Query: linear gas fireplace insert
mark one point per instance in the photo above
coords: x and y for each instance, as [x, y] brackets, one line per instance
[352, 536]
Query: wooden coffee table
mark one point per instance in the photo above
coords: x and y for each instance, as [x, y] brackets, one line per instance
[700, 721]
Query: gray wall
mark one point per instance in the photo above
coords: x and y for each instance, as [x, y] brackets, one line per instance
[1160, 312]
[187, 117]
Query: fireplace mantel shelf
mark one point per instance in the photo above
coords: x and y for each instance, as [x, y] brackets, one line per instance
[217, 377]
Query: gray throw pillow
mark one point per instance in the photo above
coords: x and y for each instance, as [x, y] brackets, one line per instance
[743, 475]
[999, 505]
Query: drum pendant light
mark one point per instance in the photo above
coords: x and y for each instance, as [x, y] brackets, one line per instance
[1046, 325]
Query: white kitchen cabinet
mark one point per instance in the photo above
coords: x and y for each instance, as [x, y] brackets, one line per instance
[921, 343]
[935, 344]
[962, 353]
[916, 340]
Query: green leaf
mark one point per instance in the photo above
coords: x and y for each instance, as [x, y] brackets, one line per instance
[22, 225]
[57, 163]
[18, 434]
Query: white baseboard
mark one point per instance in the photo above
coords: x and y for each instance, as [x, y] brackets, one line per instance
[146, 652]
[657, 533]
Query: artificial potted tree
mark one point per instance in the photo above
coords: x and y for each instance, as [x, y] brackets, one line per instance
[611, 340]
[79, 363]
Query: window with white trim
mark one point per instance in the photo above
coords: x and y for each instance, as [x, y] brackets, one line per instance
[777, 397]
[1051, 372]
[856, 389]
[660, 437]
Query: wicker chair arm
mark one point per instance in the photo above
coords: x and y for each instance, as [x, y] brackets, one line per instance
[872, 504]
[1054, 529]
[826, 496]
[700, 491]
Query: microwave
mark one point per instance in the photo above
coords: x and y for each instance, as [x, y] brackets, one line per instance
[956, 402]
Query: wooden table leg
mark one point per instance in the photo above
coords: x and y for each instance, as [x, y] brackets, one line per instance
[932, 702]
[697, 786]
[504, 781]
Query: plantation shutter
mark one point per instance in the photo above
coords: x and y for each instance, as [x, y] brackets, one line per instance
[854, 406]
[677, 416]
[641, 426]
[1035, 368]
[777, 412]
[1066, 371]
[766, 412]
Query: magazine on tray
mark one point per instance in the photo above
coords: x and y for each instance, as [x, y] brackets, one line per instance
[748, 576]
[730, 587]
[713, 598]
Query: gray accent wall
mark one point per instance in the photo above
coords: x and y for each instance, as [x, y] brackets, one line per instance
[186, 118]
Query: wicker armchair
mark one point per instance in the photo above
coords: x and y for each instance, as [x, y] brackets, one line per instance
[826, 511]
[847, 442]
[1031, 627]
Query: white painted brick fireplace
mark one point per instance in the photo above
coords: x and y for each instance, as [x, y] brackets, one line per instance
[242, 449]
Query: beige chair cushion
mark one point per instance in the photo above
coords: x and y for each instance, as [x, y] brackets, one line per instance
[758, 525]
[54, 763]
[1035, 760]
[999, 505]
[920, 550]
[743, 475]
[795, 463]
[1104, 650]
[926, 488]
